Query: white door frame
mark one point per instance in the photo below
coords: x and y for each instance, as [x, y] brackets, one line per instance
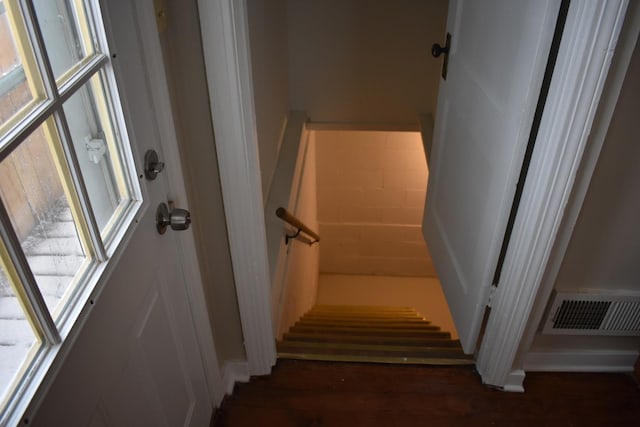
[225, 42]
[157, 80]
[589, 39]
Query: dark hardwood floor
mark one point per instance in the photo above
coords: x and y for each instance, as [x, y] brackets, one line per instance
[304, 393]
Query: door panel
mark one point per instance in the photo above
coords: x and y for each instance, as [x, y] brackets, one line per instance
[136, 359]
[497, 60]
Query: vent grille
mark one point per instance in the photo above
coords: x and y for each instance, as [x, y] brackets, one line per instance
[594, 314]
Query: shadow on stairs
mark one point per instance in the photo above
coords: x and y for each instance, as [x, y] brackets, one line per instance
[370, 334]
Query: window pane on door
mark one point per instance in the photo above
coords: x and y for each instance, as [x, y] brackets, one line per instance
[34, 196]
[66, 33]
[18, 87]
[17, 338]
[93, 139]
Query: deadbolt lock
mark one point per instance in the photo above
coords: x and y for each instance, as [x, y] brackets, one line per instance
[177, 219]
[152, 166]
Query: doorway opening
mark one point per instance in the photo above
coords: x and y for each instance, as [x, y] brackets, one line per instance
[375, 272]
[371, 189]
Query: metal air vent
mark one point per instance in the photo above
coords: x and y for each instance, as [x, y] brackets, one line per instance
[593, 313]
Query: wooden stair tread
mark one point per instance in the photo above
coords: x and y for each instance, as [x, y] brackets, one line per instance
[282, 345]
[370, 331]
[372, 316]
[439, 353]
[363, 307]
[378, 359]
[380, 325]
[365, 319]
[372, 339]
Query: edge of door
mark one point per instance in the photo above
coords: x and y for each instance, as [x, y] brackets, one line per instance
[187, 247]
[225, 42]
[589, 40]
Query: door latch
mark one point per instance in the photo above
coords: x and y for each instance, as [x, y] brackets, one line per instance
[177, 219]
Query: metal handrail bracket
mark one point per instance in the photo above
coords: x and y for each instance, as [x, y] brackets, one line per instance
[290, 219]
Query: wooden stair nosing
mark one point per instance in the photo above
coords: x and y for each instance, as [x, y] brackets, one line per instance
[364, 313]
[364, 318]
[362, 331]
[369, 315]
[363, 308]
[400, 326]
[377, 359]
[366, 347]
[372, 339]
[438, 353]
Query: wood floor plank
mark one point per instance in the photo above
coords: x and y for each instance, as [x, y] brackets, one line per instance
[303, 393]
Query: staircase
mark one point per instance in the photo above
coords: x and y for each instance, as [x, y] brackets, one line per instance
[370, 334]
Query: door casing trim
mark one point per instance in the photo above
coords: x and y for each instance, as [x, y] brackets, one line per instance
[589, 39]
[588, 42]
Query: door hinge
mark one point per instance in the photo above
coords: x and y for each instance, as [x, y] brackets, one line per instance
[492, 293]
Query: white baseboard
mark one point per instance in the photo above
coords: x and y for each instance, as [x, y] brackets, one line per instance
[581, 361]
[235, 371]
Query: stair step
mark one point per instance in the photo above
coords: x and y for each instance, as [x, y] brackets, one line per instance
[397, 360]
[346, 346]
[371, 339]
[371, 331]
[382, 317]
[381, 325]
[371, 350]
[367, 321]
[362, 309]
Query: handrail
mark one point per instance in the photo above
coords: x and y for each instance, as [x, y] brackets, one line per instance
[289, 218]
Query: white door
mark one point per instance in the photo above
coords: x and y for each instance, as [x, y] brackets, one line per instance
[136, 360]
[497, 58]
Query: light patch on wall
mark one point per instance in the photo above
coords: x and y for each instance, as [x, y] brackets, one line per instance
[371, 194]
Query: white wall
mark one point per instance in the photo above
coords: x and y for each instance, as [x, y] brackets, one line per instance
[190, 104]
[371, 194]
[364, 61]
[605, 243]
[301, 277]
[604, 251]
[269, 63]
[422, 293]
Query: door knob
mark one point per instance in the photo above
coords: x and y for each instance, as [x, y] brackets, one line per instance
[177, 219]
[437, 50]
